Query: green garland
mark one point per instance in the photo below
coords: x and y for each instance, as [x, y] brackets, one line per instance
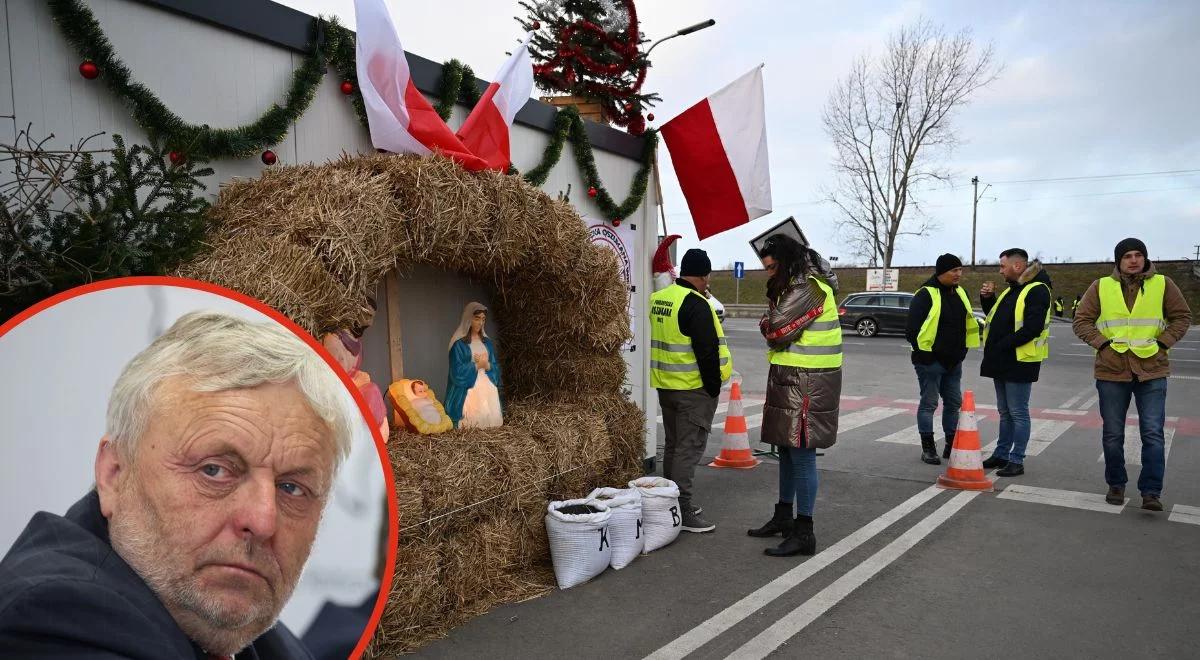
[83, 32]
[330, 44]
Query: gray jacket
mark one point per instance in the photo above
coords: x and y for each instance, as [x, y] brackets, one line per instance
[802, 404]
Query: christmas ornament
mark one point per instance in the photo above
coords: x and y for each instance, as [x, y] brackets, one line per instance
[537, 25]
[269, 157]
[650, 117]
[616, 222]
[176, 157]
[89, 70]
[347, 87]
[592, 192]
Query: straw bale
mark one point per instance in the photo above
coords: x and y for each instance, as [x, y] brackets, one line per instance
[417, 602]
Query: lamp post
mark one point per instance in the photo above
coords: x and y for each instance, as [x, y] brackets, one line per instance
[687, 30]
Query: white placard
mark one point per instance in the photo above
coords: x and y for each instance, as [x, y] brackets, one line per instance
[883, 279]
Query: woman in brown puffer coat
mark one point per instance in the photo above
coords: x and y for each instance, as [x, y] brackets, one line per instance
[801, 410]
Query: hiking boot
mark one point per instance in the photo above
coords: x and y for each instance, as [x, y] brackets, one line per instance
[1011, 470]
[800, 541]
[993, 462]
[694, 523]
[1151, 503]
[697, 509]
[780, 523]
[949, 446]
[929, 452]
[1116, 495]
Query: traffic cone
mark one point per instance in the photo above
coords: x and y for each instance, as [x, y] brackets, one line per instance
[966, 463]
[735, 448]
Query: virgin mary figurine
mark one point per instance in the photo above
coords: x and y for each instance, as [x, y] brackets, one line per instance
[473, 389]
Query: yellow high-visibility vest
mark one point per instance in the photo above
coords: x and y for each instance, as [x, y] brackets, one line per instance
[928, 333]
[820, 345]
[1134, 330]
[672, 361]
[1033, 351]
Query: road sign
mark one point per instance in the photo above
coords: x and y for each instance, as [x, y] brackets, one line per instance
[739, 269]
[883, 279]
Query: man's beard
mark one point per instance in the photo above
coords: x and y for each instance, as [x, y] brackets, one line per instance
[140, 537]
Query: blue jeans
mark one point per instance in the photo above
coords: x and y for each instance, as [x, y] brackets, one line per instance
[1012, 402]
[936, 381]
[1151, 397]
[798, 478]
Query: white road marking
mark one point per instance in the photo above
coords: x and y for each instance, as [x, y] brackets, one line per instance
[1087, 405]
[1075, 399]
[1042, 432]
[795, 621]
[1065, 498]
[908, 436]
[761, 597]
[912, 401]
[868, 416]
[1186, 377]
[846, 397]
[1065, 411]
[1133, 445]
[1185, 514]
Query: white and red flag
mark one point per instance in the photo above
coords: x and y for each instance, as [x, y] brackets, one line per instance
[719, 150]
[485, 132]
[401, 119]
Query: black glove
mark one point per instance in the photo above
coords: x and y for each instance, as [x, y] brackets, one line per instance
[1162, 345]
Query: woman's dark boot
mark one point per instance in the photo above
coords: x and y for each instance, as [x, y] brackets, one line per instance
[780, 523]
[800, 542]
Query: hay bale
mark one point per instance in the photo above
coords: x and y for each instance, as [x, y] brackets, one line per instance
[578, 376]
[417, 601]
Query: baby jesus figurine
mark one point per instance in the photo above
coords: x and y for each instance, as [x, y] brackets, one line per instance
[417, 409]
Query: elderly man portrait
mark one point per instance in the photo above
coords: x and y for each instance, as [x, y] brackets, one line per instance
[222, 442]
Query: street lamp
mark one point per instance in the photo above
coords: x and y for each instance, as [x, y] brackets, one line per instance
[687, 30]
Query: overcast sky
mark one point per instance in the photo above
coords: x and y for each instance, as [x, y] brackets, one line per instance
[1088, 88]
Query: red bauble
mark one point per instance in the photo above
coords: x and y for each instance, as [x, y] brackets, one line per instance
[347, 87]
[537, 25]
[269, 157]
[616, 222]
[89, 70]
[592, 192]
[176, 157]
[628, 107]
[650, 116]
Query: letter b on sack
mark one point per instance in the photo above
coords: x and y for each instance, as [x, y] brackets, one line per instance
[675, 520]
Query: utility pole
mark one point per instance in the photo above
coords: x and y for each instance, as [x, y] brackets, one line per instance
[974, 214]
[1198, 253]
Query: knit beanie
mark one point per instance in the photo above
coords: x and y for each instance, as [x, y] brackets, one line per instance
[695, 263]
[946, 263]
[1128, 245]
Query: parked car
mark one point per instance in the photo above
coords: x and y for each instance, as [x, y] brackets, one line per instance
[717, 306]
[871, 312]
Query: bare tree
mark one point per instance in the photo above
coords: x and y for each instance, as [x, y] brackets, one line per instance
[890, 122]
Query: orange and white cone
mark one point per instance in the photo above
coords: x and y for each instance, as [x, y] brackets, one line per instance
[966, 461]
[735, 449]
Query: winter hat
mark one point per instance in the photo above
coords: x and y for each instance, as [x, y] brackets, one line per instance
[1128, 245]
[695, 264]
[946, 263]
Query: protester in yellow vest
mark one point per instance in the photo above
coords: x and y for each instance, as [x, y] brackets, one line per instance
[689, 359]
[1016, 341]
[1131, 318]
[804, 384]
[941, 327]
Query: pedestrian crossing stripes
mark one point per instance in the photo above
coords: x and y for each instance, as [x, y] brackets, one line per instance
[1185, 514]
[1133, 445]
[868, 416]
[1055, 497]
[1042, 432]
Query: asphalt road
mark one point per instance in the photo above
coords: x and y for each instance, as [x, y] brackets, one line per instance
[1041, 568]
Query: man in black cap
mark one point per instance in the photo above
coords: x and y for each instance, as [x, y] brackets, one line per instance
[1131, 318]
[689, 360]
[941, 326]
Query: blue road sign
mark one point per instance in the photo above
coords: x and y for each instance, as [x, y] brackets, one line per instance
[739, 269]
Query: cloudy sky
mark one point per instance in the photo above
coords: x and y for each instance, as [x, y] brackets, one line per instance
[1088, 89]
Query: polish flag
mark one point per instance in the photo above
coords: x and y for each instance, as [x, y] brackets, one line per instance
[485, 132]
[719, 150]
[400, 118]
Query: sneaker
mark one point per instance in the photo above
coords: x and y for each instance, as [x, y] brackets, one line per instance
[1115, 496]
[697, 510]
[694, 523]
[1151, 503]
[1011, 470]
[993, 462]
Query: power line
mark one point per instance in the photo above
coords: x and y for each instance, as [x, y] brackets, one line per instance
[996, 200]
[1100, 176]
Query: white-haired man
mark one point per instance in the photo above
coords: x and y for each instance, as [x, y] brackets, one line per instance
[223, 439]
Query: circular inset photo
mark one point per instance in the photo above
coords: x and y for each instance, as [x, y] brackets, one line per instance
[186, 473]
